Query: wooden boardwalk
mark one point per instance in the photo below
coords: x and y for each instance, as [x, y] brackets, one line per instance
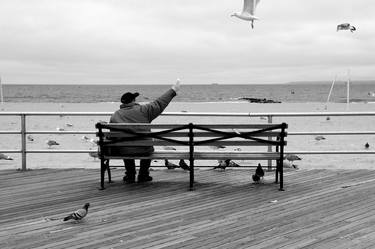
[319, 209]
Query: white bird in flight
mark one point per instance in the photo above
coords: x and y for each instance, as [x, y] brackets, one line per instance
[248, 12]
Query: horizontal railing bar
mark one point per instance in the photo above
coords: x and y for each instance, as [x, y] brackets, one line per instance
[332, 133]
[10, 151]
[255, 152]
[369, 152]
[56, 113]
[202, 134]
[274, 114]
[268, 116]
[10, 132]
[61, 132]
[60, 151]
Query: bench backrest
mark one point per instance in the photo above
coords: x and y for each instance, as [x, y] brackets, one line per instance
[140, 134]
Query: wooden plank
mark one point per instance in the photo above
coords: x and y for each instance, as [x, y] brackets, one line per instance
[319, 208]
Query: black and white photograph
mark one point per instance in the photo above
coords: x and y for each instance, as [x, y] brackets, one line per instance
[187, 124]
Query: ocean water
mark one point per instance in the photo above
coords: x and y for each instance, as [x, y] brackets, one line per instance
[302, 92]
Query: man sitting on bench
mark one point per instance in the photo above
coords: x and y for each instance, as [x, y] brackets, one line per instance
[132, 112]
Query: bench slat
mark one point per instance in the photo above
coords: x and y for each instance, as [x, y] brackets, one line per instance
[185, 134]
[170, 126]
[167, 143]
[204, 155]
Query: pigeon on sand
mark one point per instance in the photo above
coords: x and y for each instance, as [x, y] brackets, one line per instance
[50, 143]
[5, 157]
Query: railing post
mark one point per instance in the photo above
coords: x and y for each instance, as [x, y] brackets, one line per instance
[191, 155]
[23, 141]
[281, 164]
[269, 117]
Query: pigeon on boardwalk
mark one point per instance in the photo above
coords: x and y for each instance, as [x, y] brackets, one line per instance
[256, 178]
[367, 145]
[170, 165]
[5, 157]
[30, 138]
[259, 171]
[51, 143]
[79, 214]
[291, 158]
[183, 165]
[93, 141]
[222, 164]
[233, 164]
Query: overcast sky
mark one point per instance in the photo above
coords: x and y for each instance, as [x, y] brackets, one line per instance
[157, 41]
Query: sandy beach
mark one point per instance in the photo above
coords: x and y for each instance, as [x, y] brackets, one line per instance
[295, 143]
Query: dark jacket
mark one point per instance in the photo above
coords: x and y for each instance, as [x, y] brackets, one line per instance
[136, 113]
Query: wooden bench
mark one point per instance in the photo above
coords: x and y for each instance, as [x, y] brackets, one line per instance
[193, 142]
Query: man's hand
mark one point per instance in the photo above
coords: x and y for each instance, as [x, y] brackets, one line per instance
[176, 87]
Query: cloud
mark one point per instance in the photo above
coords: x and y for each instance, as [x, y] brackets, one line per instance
[142, 41]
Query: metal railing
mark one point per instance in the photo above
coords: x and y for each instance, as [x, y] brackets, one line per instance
[23, 132]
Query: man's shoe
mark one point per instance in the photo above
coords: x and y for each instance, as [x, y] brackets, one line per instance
[129, 179]
[144, 178]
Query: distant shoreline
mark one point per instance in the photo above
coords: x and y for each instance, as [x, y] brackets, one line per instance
[320, 82]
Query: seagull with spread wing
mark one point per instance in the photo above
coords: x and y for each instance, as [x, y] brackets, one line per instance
[248, 12]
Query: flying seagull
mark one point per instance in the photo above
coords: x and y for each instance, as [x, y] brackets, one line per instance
[346, 26]
[248, 12]
[79, 214]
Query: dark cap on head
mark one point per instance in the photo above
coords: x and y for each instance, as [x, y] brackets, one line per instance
[128, 97]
